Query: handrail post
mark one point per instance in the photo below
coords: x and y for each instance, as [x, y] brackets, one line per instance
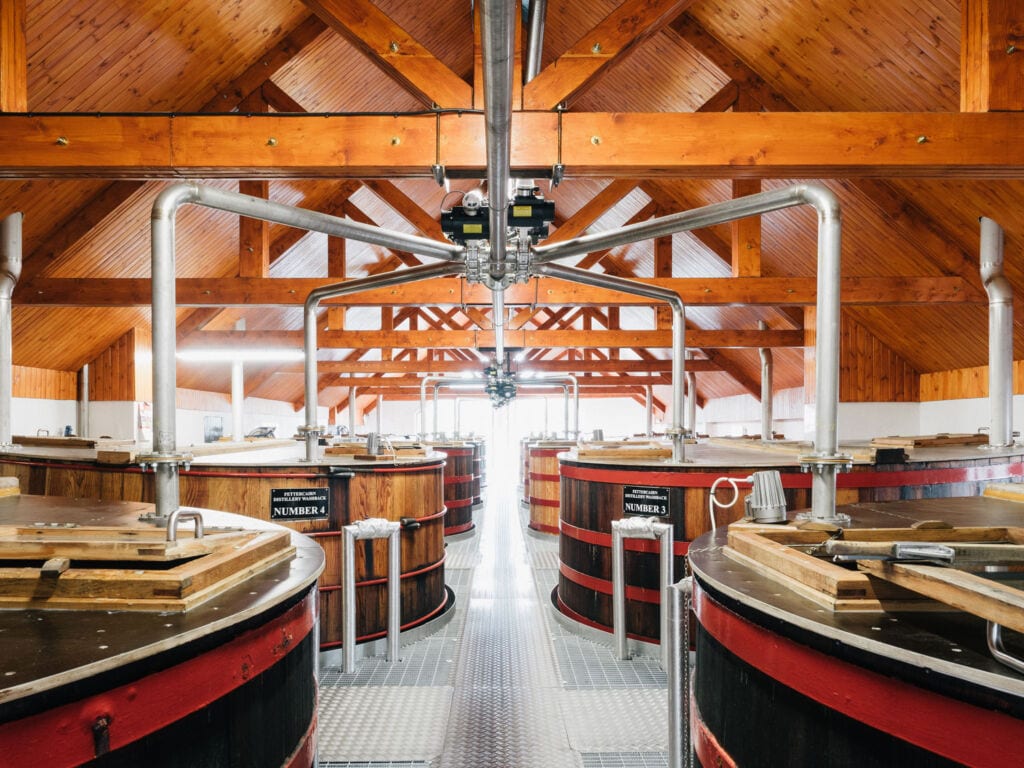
[640, 528]
[371, 528]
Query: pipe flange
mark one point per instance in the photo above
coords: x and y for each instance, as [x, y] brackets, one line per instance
[315, 429]
[839, 519]
[813, 463]
[149, 461]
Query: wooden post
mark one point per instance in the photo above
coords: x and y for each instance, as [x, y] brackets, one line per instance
[992, 56]
[13, 57]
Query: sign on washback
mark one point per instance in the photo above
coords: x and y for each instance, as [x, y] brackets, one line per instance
[642, 500]
[299, 503]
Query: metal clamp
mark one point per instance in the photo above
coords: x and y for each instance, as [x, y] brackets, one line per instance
[640, 528]
[371, 528]
[180, 514]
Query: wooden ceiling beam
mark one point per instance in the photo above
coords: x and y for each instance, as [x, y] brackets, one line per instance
[458, 339]
[458, 366]
[991, 76]
[415, 381]
[395, 51]
[552, 292]
[622, 30]
[13, 57]
[762, 145]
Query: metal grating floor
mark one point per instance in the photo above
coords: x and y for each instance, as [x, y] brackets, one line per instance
[502, 685]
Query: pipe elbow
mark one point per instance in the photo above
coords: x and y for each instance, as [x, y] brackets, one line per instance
[821, 198]
[997, 286]
[171, 199]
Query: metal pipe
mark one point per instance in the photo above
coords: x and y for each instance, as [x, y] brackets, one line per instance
[1000, 335]
[10, 271]
[312, 305]
[826, 460]
[237, 399]
[994, 638]
[163, 312]
[678, 674]
[498, 321]
[352, 411]
[567, 378]
[497, 25]
[678, 332]
[83, 401]
[767, 429]
[649, 410]
[380, 407]
[535, 43]
[442, 382]
[641, 528]
[691, 403]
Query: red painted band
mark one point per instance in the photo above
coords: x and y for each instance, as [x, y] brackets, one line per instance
[591, 623]
[456, 503]
[453, 479]
[928, 720]
[588, 536]
[545, 477]
[458, 528]
[604, 586]
[303, 756]
[542, 527]
[705, 745]
[554, 503]
[867, 479]
[63, 736]
[415, 468]
[376, 635]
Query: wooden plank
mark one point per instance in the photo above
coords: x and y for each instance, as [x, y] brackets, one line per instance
[395, 51]
[624, 452]
[254, 234]
[746, 234]
[13, 57]
[967, 592]
[546, 292]
[992, 74]
[626, 27]
[930, 441]
[965, 554]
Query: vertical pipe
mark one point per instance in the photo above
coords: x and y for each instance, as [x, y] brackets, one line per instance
[619, 592]
[1000, 335]
[498, 321]
[767, 429]
[565, 410]
[348, 600]
[83, 401]
[394, 592]
[535, 43]
[667, 576]
[352, 411]
[649, 410]
[436, 388]
[691, 403]
[10, 271]
[380, 407]
[458, 416]
[237, 399]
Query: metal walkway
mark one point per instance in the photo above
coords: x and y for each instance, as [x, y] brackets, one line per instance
[502, 685]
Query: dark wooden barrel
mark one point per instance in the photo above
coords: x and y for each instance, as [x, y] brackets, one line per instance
[524, 469]
[231, 682]
[544, 484]
[479, 475]
[392, 490]
[458, 487]
[592, 495]
[860, 687]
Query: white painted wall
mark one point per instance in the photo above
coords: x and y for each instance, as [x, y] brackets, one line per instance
[114, 419]
[741, 415]
[257, 413]
[28, 416]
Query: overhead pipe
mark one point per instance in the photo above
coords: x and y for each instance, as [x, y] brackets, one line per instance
[649, 410]
[312, 306]
[1000, 335]
[678, 331]
[10, 271]
[535, 42]
[767, 429]
[164, 458]
[566, 378]
[352, 411]
[498, 321]
[691, 403]
[83, 401]
[440, 383]
[825, 460]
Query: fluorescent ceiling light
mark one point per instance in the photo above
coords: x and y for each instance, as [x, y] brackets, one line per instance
[215, 355]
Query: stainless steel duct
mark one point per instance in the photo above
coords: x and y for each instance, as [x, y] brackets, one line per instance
[564, 379]
[691, 403]
[825, 460]
[10, 271]
[352, 411]
[535, 42]
[678, 332]
[1000, 335]
[83, 401]
[649, 410]
[497, 33]
[164, 458]
[767, 430]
